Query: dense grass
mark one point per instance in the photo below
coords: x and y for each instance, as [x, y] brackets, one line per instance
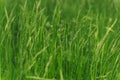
[59, 40]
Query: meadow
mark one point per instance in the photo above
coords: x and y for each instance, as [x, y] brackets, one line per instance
[59, 40]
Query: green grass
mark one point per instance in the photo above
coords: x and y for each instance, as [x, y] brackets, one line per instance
[59, 40]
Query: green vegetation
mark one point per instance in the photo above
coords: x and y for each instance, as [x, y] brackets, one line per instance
[59, 40]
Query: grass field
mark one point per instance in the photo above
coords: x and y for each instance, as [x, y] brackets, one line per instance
[59, 40]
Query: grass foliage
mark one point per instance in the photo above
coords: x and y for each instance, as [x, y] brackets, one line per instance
[59, 40]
